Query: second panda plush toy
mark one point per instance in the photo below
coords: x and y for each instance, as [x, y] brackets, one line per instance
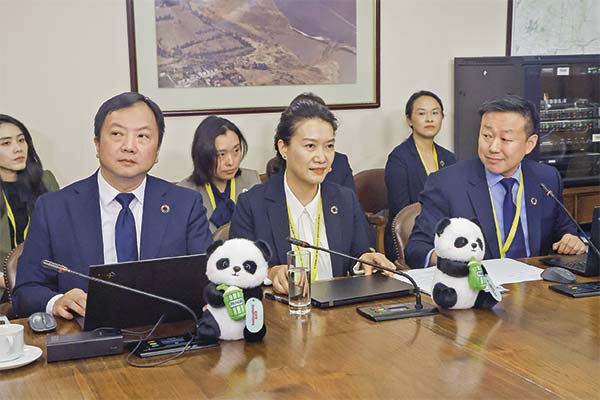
[236, 269]
[460, 280]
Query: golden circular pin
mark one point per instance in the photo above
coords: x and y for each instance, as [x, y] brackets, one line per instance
[334, 210]
[165, 209]
[442, 163]
[533, 201]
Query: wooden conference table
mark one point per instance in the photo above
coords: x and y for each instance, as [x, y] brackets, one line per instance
[535, 344]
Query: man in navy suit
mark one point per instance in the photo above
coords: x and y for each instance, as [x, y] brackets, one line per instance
[474, 189]
[78, 226]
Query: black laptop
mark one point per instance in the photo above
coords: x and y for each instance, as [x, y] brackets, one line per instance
[177, 278]
[584, 264]
[357, 289]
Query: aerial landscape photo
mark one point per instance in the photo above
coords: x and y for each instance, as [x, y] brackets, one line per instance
[225, 43]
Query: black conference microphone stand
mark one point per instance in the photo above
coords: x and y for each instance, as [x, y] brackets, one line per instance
[396, 311]
[197, 340]
[550, 194]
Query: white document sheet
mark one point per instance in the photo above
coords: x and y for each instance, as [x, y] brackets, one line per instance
[502, 271]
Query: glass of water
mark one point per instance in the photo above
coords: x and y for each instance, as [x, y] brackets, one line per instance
[299, 281]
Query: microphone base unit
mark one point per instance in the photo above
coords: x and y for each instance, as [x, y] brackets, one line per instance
[388, 312]
[172, 344]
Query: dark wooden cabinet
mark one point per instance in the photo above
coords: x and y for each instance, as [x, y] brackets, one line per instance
[580, 201]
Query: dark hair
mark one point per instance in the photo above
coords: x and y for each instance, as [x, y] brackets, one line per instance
[204, 153]
[411, 101]
[302, 108]
[309, 96]
[125, 100]
[513, 103]
[30, 179]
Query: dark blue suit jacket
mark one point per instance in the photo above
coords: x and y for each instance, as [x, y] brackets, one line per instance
[261, 213]
[462, 191]
[341, 172]
[405, 178]
[66, 228]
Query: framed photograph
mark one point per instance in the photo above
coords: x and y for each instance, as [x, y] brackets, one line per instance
[553, 27]
[197, 57]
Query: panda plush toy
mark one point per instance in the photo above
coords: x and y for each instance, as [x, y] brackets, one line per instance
[236, 269]
[460, 280]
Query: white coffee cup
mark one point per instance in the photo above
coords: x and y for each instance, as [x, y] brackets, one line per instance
[11, 340]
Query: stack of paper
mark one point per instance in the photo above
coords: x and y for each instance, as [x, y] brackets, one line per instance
[502, 271]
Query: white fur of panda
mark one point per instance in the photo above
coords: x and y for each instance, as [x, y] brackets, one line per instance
[460, 240]
[237, 262]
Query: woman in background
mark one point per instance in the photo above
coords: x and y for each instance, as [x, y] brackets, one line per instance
[410, 163]
[218, 149]
[296, 202]
[22, 181]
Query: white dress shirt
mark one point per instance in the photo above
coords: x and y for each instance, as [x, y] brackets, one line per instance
[109, 211]
[304, 218]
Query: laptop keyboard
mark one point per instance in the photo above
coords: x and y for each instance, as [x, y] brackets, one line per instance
[574, 265]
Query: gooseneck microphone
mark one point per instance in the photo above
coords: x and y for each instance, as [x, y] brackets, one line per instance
[63, 269]
[550, 194]
[418, 310]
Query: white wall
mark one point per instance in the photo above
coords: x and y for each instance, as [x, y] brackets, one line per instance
[60, 59]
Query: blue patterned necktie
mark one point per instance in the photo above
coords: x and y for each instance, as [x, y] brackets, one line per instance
[517, 248]
[125, 236]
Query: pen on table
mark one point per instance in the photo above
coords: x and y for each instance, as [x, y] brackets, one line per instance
[273, 296]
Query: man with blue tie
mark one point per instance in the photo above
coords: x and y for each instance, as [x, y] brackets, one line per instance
[501, 189]
[118, 214]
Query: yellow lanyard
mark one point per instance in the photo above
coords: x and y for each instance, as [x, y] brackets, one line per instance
[11, 218]
[515, 224]
[211, 195]
[435, 159]
[317, 235]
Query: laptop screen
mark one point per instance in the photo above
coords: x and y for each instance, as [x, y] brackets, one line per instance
[177, 278]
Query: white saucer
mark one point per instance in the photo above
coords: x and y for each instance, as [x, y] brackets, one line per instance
[30, 354]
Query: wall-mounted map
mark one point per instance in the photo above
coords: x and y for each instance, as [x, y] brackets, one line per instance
[546, 27]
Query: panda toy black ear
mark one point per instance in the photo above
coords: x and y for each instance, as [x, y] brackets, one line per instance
[211, 249]
[264, 248]
[441, 226]
[476, 222]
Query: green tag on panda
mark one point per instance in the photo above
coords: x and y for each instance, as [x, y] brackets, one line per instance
[233, 297]
[477, 280]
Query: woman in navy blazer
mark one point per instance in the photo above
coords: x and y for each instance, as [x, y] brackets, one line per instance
[412, 161]
[304, 143]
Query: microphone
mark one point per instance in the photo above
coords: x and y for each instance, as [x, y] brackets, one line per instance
[557, 201]
[399, 311]
[196, 342]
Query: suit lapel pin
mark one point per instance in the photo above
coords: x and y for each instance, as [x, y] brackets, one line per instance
[165, 209]
[334, 210]
[442, 163]
[244, 190]
[533, 201]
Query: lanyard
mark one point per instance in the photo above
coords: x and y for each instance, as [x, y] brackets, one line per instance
[11, 218]
[317, 235]
[211, 195]
[515, 224]
[435, 159]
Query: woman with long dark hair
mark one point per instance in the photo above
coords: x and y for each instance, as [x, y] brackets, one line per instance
[22, 181]
[218, 149]
[296, 202]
